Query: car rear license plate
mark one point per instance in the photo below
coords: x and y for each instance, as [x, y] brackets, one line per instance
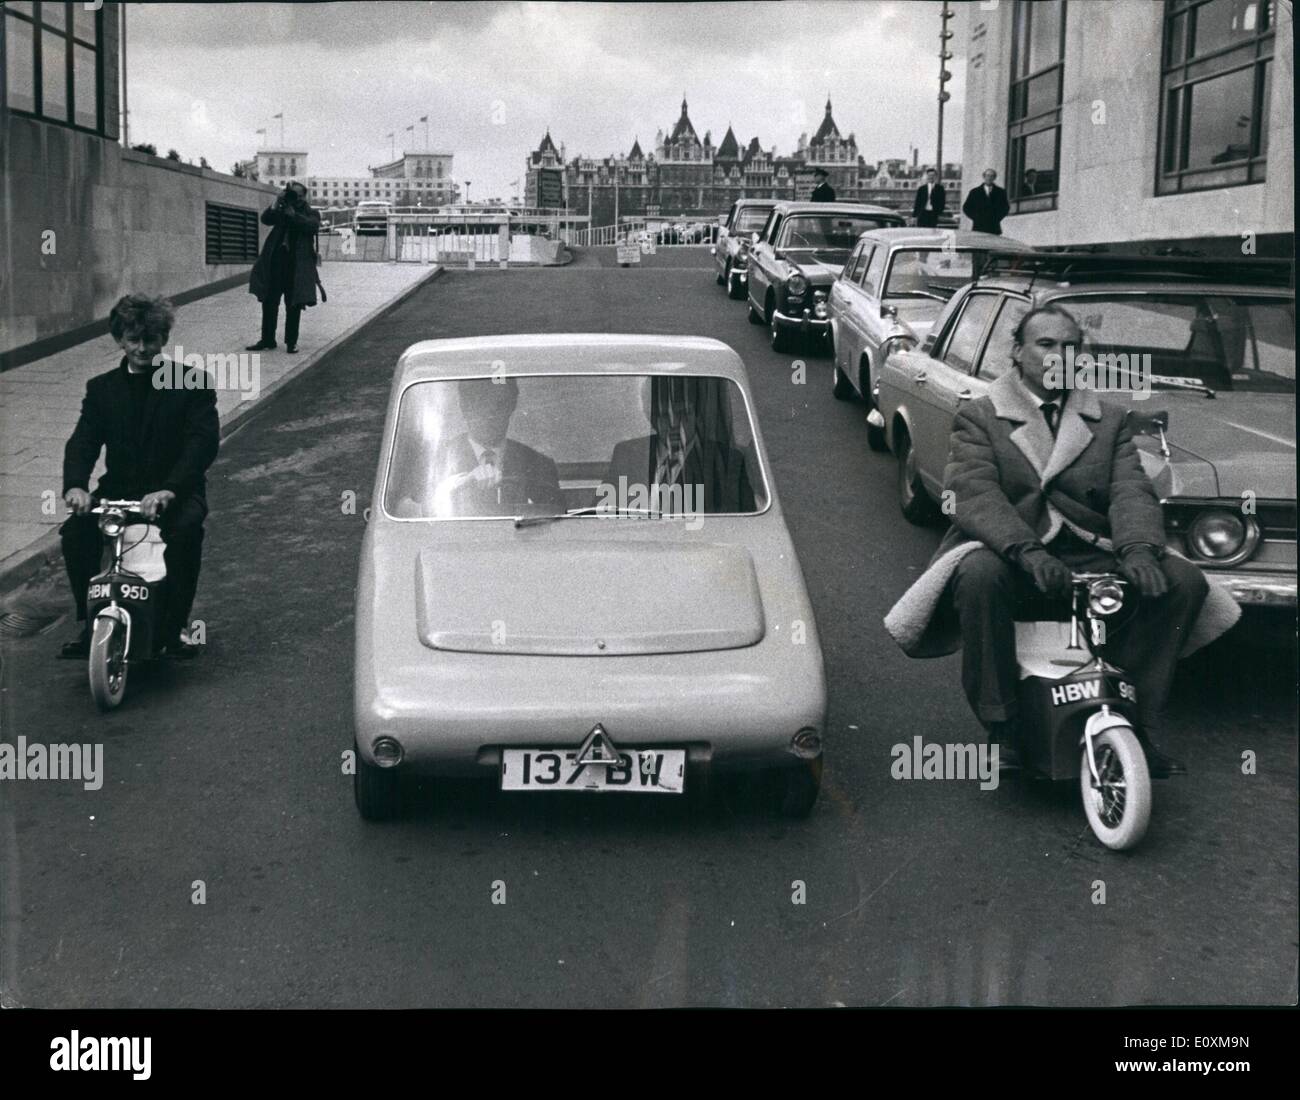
[646, 771]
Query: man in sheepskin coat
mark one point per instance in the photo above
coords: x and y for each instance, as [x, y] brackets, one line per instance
[1046, 482]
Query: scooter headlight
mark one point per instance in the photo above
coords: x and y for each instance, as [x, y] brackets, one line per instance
[1105, 597]
[111, 523]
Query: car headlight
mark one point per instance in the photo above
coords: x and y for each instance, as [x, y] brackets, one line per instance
[1105, 596]
[797, 286]
[1222, 537]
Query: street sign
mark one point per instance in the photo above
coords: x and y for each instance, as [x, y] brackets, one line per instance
[629, 254]
[550, 188]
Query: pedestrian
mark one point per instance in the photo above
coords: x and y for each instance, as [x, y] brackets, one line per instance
[158, 440]
[823, 192]
[929, 201]
[987, 205]
[287, 266]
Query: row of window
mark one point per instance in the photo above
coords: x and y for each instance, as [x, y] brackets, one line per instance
[1215, 90]
[52, 62]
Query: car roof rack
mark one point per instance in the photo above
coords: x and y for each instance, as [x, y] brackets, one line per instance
[1086, 265]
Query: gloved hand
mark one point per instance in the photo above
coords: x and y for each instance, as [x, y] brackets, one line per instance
[1051, 575]
[1140, 566]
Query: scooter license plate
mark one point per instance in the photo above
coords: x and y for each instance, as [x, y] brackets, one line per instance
[643, 771]
[119, 590]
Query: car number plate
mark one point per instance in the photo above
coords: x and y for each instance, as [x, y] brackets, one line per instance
[648, 771]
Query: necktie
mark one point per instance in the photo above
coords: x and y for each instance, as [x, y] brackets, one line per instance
[1050, 413]
[489, 457]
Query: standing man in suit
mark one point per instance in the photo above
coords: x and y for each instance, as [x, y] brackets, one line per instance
[287, 266]
[1045, 483]
[823, 192]
[987, 205]
[160, 440]
[929, 201]
[482, 472]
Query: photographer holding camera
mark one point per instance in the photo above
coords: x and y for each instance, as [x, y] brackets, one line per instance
[287, 266]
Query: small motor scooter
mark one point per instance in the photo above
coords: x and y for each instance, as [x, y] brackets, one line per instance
[1079, 712]
[126, 602]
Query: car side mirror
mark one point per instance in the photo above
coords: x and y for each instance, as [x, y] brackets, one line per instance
[888, 311]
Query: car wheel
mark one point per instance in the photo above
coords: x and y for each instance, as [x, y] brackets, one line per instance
[722, 279]
[779, 339]
[915, 502]
[735, 289]
[377, 790]
[755, 318]
[843, 388]
[795, 789]
[876, 439]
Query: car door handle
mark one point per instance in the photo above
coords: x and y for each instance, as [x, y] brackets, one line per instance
[919, 378]
[964, 395]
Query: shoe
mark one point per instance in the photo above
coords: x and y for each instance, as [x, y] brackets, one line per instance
[78, 650]
[1006, 735]
[261, 345]
[1161, 766]
[292, 349]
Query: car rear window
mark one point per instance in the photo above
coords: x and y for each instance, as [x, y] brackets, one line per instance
[509, 445]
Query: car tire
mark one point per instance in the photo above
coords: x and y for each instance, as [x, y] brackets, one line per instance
[843, 388]
[724, 276]
[734, 290]
[755, 318]
[794, 789]
[913, 500]
[780, 340]
[876, 439]
[378, 791]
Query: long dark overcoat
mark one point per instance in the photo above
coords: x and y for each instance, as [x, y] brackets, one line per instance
[293, 230]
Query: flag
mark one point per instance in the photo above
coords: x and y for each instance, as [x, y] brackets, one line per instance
[261, 131]
[424, 118]
[411, 127]
[280, 115]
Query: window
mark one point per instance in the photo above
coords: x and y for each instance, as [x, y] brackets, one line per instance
[996, 360]
[231, 234]
[1034, 121]
[1216, 84]
[875, 270]
[51, 62]
[966, 335]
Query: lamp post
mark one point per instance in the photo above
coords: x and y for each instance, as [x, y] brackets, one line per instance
[945, 55]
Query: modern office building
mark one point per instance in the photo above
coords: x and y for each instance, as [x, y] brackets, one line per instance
[413, 179]
[1169, 123]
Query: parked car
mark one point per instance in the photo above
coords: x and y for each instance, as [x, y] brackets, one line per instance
[1213, 409]
[539, 614]
[731, 254]
[372, 217]
[892, 287]
[795, 258]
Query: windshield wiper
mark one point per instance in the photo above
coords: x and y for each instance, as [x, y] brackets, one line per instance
[1174, 382]
[593, 510]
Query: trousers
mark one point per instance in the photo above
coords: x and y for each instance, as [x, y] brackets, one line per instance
[181, 528]
[987, 592]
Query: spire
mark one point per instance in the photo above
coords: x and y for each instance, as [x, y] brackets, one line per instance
[730, 148]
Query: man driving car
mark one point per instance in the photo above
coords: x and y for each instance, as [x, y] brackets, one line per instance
[1044, 482]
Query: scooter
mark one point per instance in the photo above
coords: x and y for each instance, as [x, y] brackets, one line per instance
[126, 602]
[1079, 712]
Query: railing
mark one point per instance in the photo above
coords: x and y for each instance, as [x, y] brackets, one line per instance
[664, 232]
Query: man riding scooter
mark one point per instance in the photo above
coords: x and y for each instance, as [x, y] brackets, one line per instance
[1046, 482]
[160, 439]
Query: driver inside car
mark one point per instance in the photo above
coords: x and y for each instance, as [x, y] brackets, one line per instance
[481, 471]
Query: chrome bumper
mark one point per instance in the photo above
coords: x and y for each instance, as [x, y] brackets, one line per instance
[806, 322]
[1254, 590]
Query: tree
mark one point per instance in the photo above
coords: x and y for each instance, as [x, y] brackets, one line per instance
[146, 147]
[238, 171]
[172, 154]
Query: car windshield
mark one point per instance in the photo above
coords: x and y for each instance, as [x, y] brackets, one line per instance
[826, 232]
[750, 219]
[630, 446]
[932, 272]
[1224, 342]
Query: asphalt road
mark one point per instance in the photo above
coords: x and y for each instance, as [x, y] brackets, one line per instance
[227, 771]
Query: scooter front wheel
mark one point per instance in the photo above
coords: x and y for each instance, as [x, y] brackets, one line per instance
[108, 662]
[1119, 807]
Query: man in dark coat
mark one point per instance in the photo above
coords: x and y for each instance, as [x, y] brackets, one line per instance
[823, 192]
[160, 437]
[929, 201]
[1045, 483]
[287, 266]
[986, 205]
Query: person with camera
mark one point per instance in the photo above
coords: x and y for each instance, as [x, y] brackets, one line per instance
[287, 266]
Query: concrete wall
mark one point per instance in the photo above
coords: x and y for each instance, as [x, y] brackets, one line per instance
[1112, 55]
[122, 222]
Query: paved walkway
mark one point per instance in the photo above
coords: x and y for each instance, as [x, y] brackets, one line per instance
[39, 402]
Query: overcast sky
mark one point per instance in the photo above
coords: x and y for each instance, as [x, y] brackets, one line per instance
[204, 78]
